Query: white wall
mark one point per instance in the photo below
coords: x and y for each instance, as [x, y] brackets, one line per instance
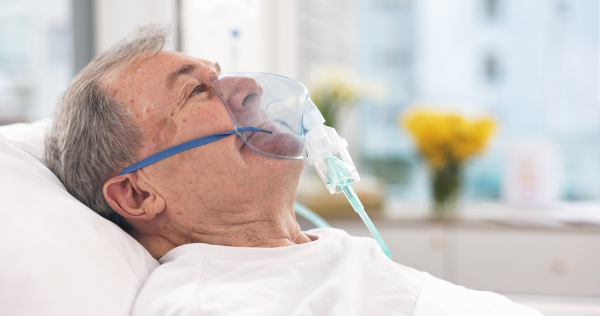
[243, 35]
[115, 18]
[267, 30]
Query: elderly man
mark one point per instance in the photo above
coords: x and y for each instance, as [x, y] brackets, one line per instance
[219, 217]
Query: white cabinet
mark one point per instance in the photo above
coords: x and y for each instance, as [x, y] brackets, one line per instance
[423, 248]
[487, 256]
[528, 262]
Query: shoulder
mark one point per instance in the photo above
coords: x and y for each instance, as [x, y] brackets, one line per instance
[364, 253]
[439, 297]
[177, 276]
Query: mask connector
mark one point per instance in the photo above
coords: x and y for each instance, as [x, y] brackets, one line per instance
[322, 143]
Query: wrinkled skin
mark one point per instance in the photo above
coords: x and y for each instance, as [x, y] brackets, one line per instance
[220, 193]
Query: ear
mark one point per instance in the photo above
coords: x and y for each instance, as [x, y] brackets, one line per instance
[132, 197]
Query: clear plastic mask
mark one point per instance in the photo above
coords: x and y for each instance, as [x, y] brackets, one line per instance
[269, 102]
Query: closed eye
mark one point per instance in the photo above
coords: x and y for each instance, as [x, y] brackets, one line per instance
[198, 89]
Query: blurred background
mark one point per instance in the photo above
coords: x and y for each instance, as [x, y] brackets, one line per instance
[528, 212]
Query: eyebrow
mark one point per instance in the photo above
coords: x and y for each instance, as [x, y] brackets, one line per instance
[183, 70]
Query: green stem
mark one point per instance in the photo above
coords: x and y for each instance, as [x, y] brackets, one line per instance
[445, 186]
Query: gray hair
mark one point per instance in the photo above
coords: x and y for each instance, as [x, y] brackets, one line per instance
[92, 136]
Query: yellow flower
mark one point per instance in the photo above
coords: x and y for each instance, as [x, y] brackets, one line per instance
[444, 137]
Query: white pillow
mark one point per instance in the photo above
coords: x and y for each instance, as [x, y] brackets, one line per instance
[58, 257]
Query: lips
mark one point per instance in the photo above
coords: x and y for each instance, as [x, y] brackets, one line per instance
[248, 135]
[278, 144]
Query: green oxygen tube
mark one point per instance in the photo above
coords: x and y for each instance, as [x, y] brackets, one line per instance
[337, 172]
[326, 152]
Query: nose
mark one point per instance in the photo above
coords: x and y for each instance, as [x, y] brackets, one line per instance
[240, 93]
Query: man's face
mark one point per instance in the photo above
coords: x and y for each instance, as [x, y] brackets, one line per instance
[172, 101]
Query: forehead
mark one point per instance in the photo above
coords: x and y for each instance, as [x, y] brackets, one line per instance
[154, 69]
[169, 60]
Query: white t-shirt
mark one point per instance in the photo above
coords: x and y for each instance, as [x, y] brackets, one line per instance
[336, 274]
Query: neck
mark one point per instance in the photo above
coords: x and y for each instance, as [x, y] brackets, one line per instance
[256, 226]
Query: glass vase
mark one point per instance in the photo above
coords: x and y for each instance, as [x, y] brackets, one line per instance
[445, 186]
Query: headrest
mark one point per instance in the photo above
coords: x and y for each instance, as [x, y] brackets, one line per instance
[57, 256]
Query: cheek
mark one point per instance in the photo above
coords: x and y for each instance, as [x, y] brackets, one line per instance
[201, 175]
[205, 121]
[158, 133]
[218, 159]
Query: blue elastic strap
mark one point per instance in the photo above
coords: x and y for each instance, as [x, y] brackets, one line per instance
[187, 145]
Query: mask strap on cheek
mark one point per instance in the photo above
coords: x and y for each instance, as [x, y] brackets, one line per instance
[186, 146]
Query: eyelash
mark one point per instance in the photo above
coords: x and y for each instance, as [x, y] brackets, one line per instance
[198, 89]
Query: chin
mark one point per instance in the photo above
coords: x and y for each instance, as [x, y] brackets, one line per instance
[281, 171]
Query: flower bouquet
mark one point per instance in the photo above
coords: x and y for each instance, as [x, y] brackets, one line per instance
[446, 140]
